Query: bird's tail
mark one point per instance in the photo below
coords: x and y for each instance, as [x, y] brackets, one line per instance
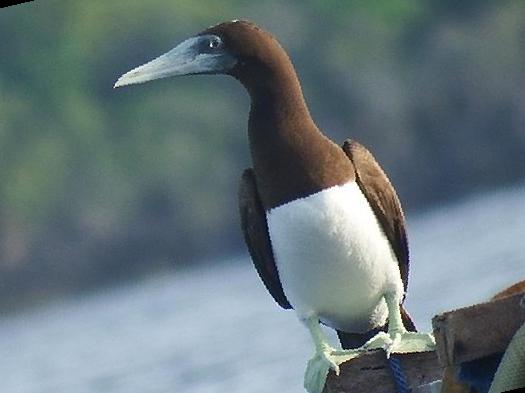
[355, 340]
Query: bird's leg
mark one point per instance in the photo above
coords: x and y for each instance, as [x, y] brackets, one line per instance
[325, 358]
[398, 339]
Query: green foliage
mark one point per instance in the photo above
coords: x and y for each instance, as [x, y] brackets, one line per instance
[98, 183]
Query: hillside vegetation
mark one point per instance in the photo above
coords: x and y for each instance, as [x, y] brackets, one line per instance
[100, 184]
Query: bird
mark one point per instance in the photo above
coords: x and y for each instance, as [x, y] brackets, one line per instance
[322, 222]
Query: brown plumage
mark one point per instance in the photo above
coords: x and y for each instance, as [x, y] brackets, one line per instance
[381, 195]
[257, 238]
[385, 203]
[291, 157]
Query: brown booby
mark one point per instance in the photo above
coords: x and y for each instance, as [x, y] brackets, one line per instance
[322, 223]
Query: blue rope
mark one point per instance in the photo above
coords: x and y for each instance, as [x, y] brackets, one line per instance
[400, 378]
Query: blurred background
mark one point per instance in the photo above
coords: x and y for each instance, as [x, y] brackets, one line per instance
[122, 265]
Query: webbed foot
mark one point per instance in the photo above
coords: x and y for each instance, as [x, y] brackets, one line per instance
[401, 341]
[321, 363]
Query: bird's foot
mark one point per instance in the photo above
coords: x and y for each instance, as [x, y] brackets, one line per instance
[401, 341]
[321, 363]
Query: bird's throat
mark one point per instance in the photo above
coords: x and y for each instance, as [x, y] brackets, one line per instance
[291, 157]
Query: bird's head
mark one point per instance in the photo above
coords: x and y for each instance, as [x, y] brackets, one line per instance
[236, 48]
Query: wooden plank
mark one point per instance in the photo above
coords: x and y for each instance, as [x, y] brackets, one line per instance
[461, 335]
[477, 331]
[370, 373]
[450, 383]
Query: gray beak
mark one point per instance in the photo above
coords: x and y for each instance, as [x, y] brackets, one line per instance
[197, 55]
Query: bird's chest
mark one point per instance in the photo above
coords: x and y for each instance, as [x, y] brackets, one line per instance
[333, 258]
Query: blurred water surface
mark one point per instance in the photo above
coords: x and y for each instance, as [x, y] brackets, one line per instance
[215, 329]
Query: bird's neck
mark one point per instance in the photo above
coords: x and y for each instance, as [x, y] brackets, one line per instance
[278, 112]
[291, 157]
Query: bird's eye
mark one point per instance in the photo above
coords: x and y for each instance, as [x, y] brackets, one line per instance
[214, 43]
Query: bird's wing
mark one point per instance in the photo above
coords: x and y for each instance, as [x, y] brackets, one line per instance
[380, 193]
[383, 199]
[257, 237]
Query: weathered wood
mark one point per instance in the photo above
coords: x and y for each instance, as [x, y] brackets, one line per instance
[370, 373]
[462, 335]
[450, 383]
[477, 331]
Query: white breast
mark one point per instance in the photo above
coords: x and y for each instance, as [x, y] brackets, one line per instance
[333, 258]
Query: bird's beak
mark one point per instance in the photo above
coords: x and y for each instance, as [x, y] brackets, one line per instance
[193, 56]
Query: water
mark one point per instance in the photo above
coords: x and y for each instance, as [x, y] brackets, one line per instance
[215, 329]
